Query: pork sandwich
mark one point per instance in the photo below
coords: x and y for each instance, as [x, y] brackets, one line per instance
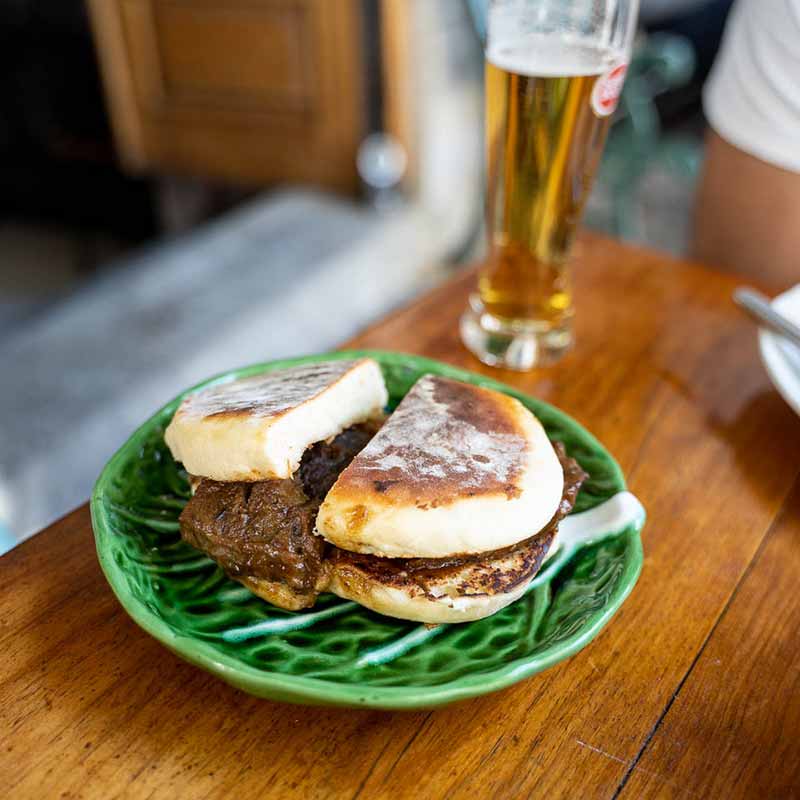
[442, 512]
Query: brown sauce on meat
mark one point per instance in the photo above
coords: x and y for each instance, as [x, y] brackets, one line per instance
[322, 463]
[266, 529]
[263, 529]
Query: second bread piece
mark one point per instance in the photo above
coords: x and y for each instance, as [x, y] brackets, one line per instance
[456, 469]
[258, 428]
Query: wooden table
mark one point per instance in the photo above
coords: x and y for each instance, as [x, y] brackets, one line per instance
[692, 690]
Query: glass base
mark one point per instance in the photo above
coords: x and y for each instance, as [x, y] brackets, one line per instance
[519, 344]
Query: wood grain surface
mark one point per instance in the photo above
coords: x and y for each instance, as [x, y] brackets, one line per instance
[692, 689]
[734, 724]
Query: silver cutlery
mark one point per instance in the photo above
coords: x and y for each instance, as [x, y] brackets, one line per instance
[760, 309]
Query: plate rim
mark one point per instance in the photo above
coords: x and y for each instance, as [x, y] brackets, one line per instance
[782, 375]
[304, 690]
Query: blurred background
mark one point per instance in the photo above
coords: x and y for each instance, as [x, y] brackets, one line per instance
[192, 185]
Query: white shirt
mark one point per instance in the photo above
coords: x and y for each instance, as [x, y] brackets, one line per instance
[752, 98]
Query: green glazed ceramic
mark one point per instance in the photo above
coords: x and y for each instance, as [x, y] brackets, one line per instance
[338, 652]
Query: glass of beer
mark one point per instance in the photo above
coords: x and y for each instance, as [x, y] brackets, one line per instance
[554, 72]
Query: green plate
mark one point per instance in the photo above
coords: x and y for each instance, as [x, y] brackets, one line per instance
[340, 653]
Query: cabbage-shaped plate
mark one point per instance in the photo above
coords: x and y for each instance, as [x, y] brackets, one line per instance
[338, 652]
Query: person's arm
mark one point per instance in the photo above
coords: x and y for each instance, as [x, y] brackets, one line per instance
[747, 216]
[747, 210]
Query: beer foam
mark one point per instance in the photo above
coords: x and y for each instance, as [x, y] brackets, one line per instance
[544, 56]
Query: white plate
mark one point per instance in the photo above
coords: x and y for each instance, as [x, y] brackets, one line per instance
[781, 359]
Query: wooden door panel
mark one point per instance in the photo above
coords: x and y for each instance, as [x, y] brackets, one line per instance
[253, 91]
[237, 52]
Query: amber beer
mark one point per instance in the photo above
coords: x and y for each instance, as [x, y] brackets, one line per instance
[544, 134]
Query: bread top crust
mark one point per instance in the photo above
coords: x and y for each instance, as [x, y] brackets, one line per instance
[268, 395]
[445, 441]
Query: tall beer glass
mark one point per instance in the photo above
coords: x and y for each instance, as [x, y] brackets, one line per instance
[554, 71]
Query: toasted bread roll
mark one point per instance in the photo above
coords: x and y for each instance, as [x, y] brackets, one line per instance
[456, 469]
[462, 592]
[258, 428]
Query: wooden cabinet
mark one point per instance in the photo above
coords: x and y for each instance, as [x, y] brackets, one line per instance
[247, 91]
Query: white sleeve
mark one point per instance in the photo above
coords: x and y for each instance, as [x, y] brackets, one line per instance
[752, 98]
